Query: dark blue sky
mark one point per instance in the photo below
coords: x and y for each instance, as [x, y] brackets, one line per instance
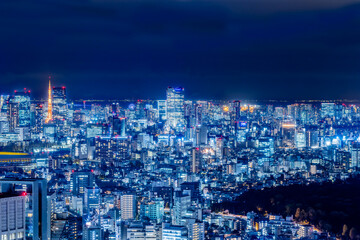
[247, 49]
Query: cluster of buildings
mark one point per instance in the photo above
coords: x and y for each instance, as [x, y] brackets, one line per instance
[150, 169]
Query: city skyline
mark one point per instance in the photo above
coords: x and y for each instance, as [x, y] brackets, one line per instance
[45, 97]
[177, 169]
[180, 120]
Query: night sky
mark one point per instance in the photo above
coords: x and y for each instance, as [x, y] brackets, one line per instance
[246, 49]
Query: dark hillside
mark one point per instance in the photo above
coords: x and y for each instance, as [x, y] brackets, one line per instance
[328, 206]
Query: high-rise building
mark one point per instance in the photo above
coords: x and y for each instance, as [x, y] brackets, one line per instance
[327, 110]
[175, 107]
[3, 101]
[154, 209]
[59, 104]
[111, 150]
[196, 229]
[4, 125]
[198, 114]
[91, 199]
[49, 116]
[13, 116]
[312, 137]
[23, 101]
[355, 155]
[12, 217]
[195, 160]
[288, 130]
[305, 113]
[161, 104]
[51, 202]
[18, 110]
[342, 159]
[182, 201]
[201, 135]
[72, 228]
[118, 126]
[38, 118]
[300, 138]
[80, 150]
[50, 132]
[119, 149]
[140, 109]
[80, 181]
[37, 212]
[236, 114]
[128, 206]
[266, 149]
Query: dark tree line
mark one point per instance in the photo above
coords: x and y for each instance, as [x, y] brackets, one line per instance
[334, 207]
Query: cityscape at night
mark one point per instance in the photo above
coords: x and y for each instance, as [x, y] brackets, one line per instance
[180, 120]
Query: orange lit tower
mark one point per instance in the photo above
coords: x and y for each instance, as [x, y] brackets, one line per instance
[49, 112]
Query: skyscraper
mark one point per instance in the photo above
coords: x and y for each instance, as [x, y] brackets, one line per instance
[161, 107]
[91, 199]
[201, 135]
[195, 160]
[49, 116]
[118, 126]
[175, 107]
[23, 101]
[13, 116]
[18, 110]
[236, 113]
[300, 138]
[12, 217]
[196, 229]
[80, 181]
[111, 151]
[38, 118]
[37, 212]
[59, 104]
[355, 155]
[128, 206]
[265, 149]
[153, 209]
[182, 201]
[327, 110]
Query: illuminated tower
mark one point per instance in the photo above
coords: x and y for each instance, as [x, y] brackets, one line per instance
[59, 104]
[175, 107]
[19, 110]
[49, 113]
